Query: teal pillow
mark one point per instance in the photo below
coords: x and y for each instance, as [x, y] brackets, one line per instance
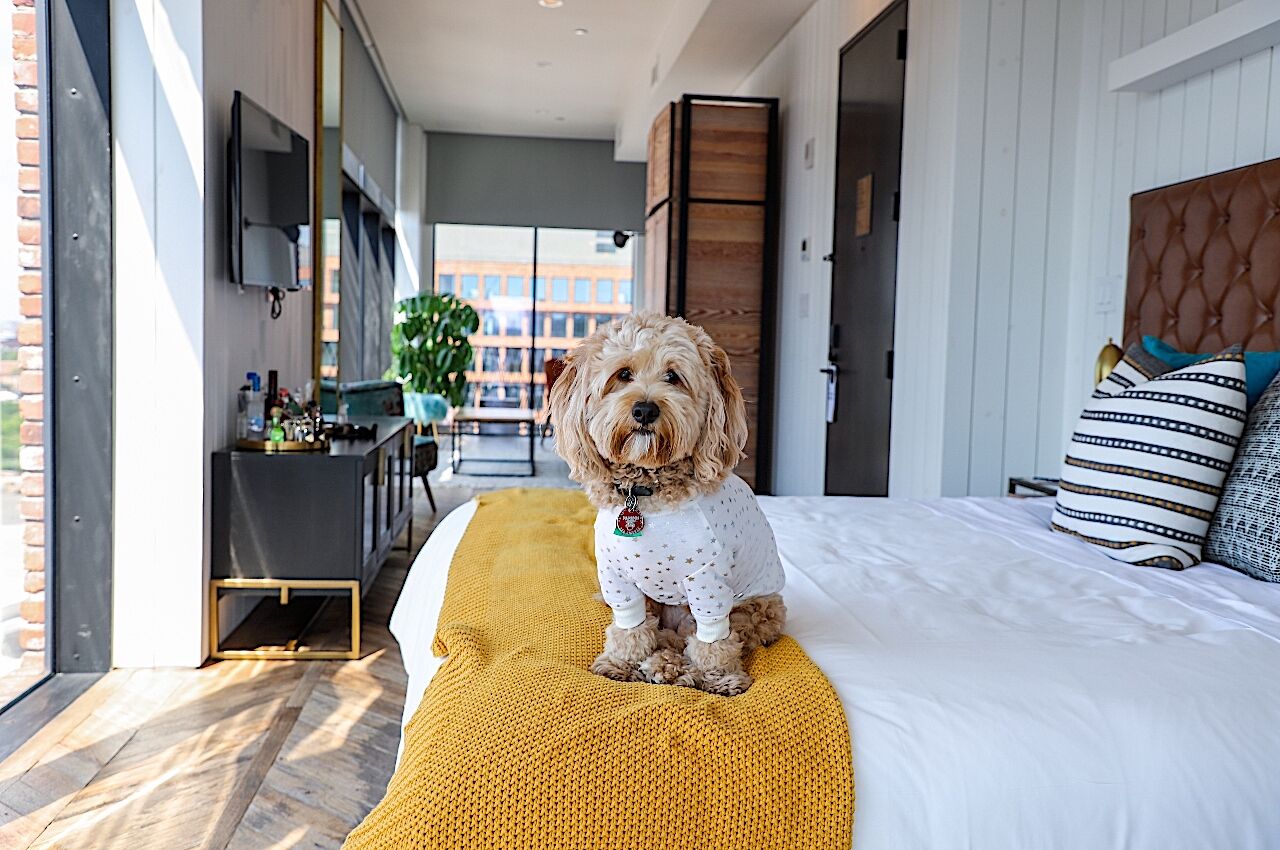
[1260, 367]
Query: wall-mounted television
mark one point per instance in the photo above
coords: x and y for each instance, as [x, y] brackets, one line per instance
[268, 200]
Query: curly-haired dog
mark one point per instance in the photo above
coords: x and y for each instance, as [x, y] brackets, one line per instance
[652, 423]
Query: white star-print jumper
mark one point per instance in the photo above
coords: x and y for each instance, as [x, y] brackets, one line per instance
[709, 553]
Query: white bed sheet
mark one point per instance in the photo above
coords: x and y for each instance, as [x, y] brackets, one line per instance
[1007, 687]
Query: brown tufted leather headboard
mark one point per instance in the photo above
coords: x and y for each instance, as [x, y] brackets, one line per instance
[1204, 261]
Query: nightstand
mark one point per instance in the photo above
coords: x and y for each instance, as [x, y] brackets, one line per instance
[1033, 487]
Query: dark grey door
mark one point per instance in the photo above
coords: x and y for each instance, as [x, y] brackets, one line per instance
[863, 281]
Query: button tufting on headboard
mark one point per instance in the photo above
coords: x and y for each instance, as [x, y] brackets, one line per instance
[1204, 261]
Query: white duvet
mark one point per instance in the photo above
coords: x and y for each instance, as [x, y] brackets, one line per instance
[1007, 687]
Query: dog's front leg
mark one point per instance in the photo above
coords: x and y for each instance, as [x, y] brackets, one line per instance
[625, 649]
[715, 667]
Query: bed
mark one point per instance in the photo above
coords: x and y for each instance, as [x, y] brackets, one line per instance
[1009, 687]
[1006, 686]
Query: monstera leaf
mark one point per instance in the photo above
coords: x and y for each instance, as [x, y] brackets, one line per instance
[430, 345]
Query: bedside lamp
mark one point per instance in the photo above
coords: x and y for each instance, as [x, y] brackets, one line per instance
[1108, 358]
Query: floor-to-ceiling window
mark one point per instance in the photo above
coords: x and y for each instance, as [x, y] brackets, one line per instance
[539, 292]
[24, 620]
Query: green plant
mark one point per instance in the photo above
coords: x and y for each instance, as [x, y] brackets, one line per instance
[430, 345]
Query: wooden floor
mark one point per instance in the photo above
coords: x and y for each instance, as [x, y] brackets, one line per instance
[239, 754]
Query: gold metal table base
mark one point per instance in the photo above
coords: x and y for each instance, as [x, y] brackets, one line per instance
[290, 650]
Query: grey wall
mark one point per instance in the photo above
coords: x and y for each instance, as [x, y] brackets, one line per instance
[508, 180]
[368, 116]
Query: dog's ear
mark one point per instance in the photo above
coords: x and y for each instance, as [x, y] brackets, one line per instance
[720, 447]
[568, 406]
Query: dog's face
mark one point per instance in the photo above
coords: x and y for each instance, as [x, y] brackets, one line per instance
[648, 390]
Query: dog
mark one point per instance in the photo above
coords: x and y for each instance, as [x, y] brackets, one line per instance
[651, 423]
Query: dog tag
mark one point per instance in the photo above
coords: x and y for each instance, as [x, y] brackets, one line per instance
[630, 521]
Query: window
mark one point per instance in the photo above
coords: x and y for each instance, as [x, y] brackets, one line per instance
[559, 289]
[604, 242]
[538, 391]
[538, 359]
[582, 290]
[445, 284]
[624, 292]
[489, 323]
[489, 360]
[559, 325]
[515, 286]
[512, 323]
[492, 286]
[513, 360]
[603, 319]
[580, 325]
[470, 286]
[540, 285]
[559, 353]
[604, 291]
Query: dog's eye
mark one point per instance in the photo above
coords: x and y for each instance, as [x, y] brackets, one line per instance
[671, 377]
[624, 375]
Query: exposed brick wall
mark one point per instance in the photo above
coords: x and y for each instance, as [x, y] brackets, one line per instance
[31, 331]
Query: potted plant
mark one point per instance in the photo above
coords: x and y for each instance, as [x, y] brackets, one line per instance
[431, 352]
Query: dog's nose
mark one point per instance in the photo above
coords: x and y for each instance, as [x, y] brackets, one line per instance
[644, 412]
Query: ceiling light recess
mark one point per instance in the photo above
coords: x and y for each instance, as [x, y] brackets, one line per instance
[581, 31]
[551, 4]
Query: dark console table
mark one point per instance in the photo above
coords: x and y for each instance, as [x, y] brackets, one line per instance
[309, 523]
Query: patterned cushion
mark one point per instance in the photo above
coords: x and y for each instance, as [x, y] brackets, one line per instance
[1147, 462]
[1245, 534]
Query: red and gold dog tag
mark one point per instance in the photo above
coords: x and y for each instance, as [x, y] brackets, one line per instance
[630, 521]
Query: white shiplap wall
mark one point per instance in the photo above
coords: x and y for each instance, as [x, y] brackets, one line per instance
[1129, 142]
[1017, 168]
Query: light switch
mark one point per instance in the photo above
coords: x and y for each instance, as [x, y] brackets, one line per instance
[808, 153]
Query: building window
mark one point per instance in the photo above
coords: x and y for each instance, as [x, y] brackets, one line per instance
[470, 286]
[582, 290]
[512, 323]
[624, 292]
[537, 360]
[559, 325]
[515, 286]
[604, 242]
[559, 289]
[489, 360]
[538, 390]
[540, 286]
[512, 360]
[445, 286]
[489, 322]
[604, 291]
[580, 321]
[492, 286]
[603, 319]
[559, 353]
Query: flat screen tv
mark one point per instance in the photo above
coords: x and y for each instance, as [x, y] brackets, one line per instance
[268, 200]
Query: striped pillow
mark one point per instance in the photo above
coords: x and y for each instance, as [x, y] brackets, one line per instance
[1147, 461]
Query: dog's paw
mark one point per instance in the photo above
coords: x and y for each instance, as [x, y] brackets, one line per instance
[620, 671]
[724, 684]
[664, 667]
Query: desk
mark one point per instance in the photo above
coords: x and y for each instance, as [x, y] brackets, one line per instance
[464, 417]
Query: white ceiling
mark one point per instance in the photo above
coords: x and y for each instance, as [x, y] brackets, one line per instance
[474, 65]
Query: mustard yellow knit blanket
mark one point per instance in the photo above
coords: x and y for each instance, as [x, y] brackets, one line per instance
[517, 745]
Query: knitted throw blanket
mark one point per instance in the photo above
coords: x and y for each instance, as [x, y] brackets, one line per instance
[517, 745]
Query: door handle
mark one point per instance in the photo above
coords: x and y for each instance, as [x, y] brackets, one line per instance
[829, 258]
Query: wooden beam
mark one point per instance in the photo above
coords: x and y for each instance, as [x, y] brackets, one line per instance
[1237, 31]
